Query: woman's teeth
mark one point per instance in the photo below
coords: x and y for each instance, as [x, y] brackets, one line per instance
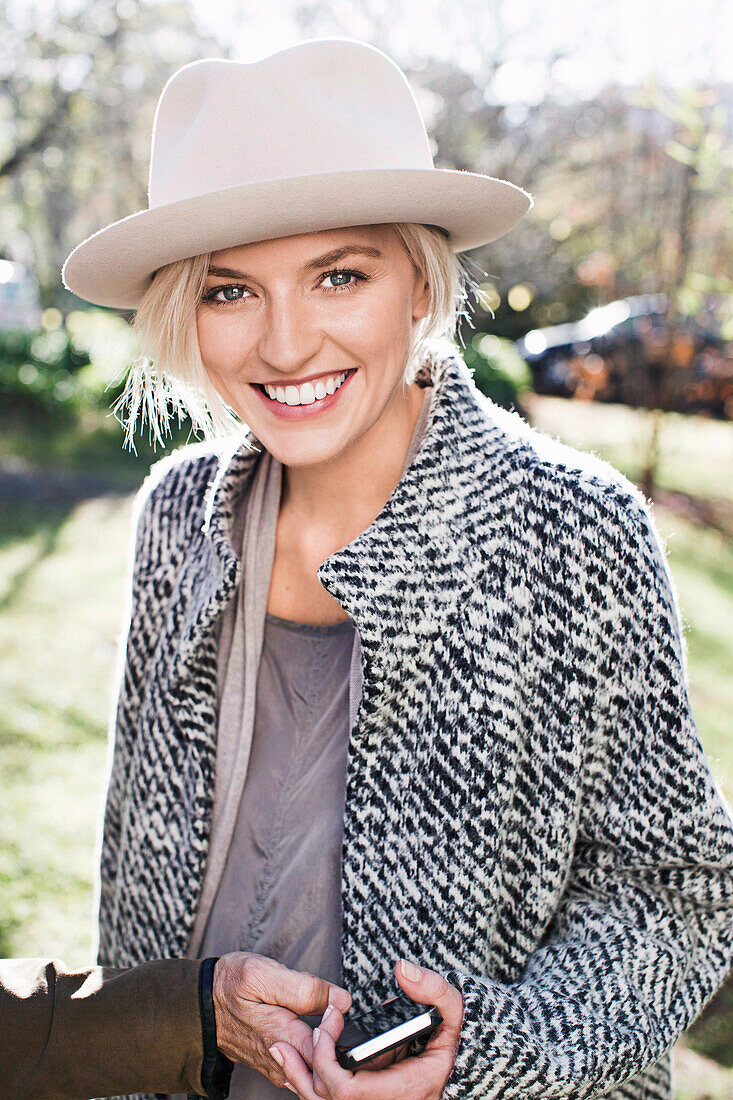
[308, 392]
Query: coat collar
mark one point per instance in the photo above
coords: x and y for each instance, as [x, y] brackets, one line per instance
[420, 556]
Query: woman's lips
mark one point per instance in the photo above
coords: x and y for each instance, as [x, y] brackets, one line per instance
[302, 412]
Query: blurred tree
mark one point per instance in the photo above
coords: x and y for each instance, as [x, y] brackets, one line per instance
[76, 111]
[607, 194]
[704, 164]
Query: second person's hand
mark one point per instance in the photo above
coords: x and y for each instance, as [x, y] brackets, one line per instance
[257, 1002]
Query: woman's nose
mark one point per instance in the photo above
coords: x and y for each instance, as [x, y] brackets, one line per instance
[289, 337]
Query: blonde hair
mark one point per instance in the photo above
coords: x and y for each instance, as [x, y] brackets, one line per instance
[169, 378]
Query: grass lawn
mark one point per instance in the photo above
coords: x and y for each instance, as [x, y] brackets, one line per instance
[61, 596]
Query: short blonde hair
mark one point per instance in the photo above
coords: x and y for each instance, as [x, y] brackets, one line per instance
[169, 378]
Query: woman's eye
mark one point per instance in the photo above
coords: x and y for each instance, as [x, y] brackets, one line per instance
[341, 277]
[220, 295]
[232, 293]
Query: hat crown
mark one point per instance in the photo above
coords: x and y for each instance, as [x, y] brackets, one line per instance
[323, 105]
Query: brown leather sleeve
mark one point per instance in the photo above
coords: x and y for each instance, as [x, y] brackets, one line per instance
[99, 1032]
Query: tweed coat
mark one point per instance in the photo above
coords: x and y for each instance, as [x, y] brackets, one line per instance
[528, 808]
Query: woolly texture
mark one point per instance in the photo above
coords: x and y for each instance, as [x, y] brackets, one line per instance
[528, 807]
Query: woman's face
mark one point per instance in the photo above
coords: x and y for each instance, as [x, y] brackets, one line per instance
[309, 309]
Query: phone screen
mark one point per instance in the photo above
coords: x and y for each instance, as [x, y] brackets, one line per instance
[395, 1021]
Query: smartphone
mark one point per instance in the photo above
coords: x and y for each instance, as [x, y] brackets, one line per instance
[394, 1022]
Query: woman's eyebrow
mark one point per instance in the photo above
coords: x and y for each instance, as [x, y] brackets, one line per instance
[327, 258]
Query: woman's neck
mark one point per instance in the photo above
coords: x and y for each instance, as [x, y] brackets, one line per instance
[341, 497]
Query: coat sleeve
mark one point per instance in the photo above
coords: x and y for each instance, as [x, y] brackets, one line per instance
[100, 1032]
[643, 935]
[129, 681]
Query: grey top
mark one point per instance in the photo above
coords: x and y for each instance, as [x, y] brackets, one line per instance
[280, 893]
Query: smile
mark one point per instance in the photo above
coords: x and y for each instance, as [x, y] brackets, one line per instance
[306, 400]
[308, 393]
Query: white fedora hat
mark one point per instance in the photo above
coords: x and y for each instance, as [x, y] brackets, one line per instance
[321, 135]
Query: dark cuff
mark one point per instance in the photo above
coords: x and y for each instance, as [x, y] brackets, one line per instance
[216, 1069]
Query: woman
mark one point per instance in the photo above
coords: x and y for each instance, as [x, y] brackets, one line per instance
[404, 679]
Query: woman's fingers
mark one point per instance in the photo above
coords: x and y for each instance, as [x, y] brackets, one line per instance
[331, 1024]
[318, 1086]
[258, 986]
[325, 1062]
[401, 1079]
[430, 988]
[418, 1077]
[298, 1077]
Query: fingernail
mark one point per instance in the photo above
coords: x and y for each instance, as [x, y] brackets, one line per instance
[316, 1033]
[289, 1086]
[277, 1056]
[327, 1013]
[410, 971]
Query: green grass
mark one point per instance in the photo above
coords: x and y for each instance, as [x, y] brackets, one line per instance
[61, 594]
[61, 597]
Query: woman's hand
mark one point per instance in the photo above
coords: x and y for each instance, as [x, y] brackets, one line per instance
[418, 1077]
[257, 1001]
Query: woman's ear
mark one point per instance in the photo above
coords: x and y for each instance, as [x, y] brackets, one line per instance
[420, 297]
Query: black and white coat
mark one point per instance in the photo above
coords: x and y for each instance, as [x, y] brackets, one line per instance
[528, 808]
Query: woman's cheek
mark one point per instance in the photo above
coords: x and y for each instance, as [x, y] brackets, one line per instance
[222, 353]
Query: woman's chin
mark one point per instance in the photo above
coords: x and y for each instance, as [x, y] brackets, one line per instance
[295, 454]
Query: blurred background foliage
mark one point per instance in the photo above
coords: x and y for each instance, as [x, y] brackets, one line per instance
[604, 318]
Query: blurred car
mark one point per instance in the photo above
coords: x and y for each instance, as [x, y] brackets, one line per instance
[628, 352]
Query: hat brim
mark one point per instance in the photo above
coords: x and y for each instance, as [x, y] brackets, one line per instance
[114, 266]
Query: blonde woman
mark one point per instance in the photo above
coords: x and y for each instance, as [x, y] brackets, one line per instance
[403, 701]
